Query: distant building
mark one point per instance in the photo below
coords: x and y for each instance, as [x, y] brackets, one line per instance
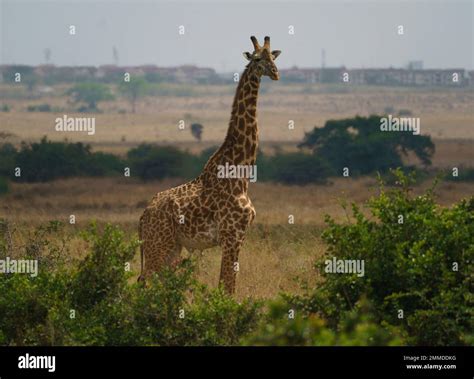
[190, 74]
[379, 76]
[470, 76]
[415, 65]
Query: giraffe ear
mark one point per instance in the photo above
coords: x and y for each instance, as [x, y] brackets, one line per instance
[247, 56]
[276, 53]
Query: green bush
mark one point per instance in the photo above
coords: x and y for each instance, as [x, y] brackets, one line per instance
[357, 328]
[4, 187]
[164, 314]
[420, 266]
[294, 168]
[102, 273]
[157, 162]
[465, 174]
[103, 164]
[95, 302]
[27, 303]
[39, 108]
[7, 159]
[48, 160]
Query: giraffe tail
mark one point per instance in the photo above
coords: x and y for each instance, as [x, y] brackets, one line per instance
[141, 278]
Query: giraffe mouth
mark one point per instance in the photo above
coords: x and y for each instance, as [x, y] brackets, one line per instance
[275, 76]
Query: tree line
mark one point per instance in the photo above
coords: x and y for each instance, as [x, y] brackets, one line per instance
[347, 147]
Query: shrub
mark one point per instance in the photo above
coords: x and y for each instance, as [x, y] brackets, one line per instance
[7, 159]
[27, 303]
[420, 266]
[48, 160]
[166, 316]
[358, 328]
[104, 164]
[4, 188]
[39, 108]
[102, 273]
[465, 174]
[296, 168]
[172, 309]
[156, 162]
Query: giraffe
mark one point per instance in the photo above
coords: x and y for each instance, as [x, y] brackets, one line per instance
[212, 210]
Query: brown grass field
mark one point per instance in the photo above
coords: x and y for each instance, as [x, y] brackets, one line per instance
[275, 254]
[445, 114]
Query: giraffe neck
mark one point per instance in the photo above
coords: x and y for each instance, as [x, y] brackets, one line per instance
[241, 142]
[242, 134]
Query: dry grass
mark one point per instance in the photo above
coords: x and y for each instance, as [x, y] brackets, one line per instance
[445, 114]
[121, 200]
[273, 259]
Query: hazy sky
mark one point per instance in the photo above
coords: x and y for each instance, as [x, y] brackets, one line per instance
[353, 33]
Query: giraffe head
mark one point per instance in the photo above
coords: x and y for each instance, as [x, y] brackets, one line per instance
[262, 60]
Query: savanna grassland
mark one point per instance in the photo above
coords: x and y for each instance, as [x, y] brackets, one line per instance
[445, 113]
[277, 256]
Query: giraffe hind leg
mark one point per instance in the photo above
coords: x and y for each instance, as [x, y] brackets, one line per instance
[159, 255]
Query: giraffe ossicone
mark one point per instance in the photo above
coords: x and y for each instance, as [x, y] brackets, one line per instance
[216, 210]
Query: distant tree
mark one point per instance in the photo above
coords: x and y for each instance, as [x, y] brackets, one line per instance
[31, 82]
[196, 131]
[7, 159]
[133, 90]
[359, 144]
[90, 94]
[156, 162]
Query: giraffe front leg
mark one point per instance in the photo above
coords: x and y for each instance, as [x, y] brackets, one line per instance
[230, 244]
